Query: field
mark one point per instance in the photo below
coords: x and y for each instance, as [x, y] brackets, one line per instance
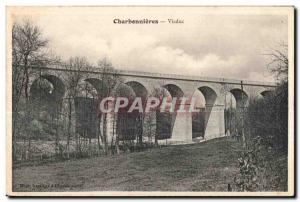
[207, 166]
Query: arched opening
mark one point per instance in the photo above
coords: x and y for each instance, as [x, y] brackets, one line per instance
[230, 118]
[49, 87]
[165, 120]
[88, 116]
[266, 93]
[241, 98]
[44, 110]
[141, 93]
[100, 86]
[139, 89]
[262, 95]
[46, 93]
[125, 123]
[174, 90]
[235, 105]
[205, 99]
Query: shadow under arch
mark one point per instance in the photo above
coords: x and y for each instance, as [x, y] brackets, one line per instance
[234, 116]
[46, 94]
[139, 89]
[200, 119]
[53, 87]
[100, 86]
[127, 124]
[263, 94]
[174, 90]
[88, 114]
[266, 93]
[241, 97]
[137, 117]
[165, 120]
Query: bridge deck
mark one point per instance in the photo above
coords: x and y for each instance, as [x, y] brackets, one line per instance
[166, 76]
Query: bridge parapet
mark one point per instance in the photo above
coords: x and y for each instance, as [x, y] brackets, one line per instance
[168, 76]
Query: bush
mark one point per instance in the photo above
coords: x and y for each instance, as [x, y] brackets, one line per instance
[260, 169]
[268, 118]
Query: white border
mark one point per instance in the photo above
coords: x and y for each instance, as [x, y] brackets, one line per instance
[92, 2]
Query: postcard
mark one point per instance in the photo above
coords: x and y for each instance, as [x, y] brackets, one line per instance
[144, 101]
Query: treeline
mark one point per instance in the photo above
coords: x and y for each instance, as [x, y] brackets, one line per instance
[268, 118]
[263, 163]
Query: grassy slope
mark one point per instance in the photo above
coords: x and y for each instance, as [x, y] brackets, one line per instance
[207, 166]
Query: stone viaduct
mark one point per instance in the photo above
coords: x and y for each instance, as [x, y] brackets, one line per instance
[142, 84]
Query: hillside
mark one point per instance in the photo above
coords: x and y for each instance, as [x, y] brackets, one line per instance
[207, 166]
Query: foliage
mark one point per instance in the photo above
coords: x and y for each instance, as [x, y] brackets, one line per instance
[268, 117]
[258, 169]
[266, 123]
[29, 48]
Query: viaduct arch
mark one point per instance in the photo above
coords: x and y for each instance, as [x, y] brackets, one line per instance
[142, 84]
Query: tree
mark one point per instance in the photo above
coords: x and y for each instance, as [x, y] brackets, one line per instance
[268, 117]
[76, 68]
[150, 126]
[266, 121]
[158, 93]
[28, 49]
[110, 80]
[279, 62]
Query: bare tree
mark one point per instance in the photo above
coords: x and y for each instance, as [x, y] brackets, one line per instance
[150, 126]
[28, 49]
[77, 67]
[279, 62]
[110, 80]
[268, 117]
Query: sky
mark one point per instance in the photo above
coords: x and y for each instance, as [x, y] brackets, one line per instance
[210, 44]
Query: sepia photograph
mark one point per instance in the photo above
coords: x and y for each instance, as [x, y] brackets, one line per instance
[144, 101]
